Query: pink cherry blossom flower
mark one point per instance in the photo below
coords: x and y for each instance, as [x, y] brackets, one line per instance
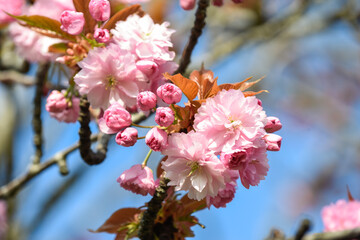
[102, 35]
[13, 7]
[273, 124]
[164, 116]
[187, 4]
[32, 45]
[169, 93]
[61, 110]
[156, 139]
[229, 118]
[109, 75]
[72, 22]
[100, 9]
[127, 137]
[147, 40]
[56, 102]
[224, 196]
[138, 179]
[192, 167]
[115, 118]
[146, 100]
[256, 166]
[342, 215]
[273, 142]
[3, 219]
[149, 68]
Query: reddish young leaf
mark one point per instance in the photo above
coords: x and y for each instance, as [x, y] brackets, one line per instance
[191, 205]
[58, 48]
[206, 81]
[45, 26]
[251, 93]
[187, 86]
[159, 170]
[123, 14]
[83, 6]
[118, 219]
[350, 197]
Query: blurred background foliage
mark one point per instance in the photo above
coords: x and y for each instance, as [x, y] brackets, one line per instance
[310, 54]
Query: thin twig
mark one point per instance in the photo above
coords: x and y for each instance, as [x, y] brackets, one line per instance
[146, 231]
[304, 228]
[339, 235]
[36, 121]
[196, 32]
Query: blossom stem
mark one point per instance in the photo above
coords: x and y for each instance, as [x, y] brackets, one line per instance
[141, 126]
[147, 158]
[141, 137]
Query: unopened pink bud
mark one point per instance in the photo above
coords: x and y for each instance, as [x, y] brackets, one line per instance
[138, 179]
[156, 139]
[72, 22]
[164, 116]
[273, 142]
[115, 118]
[169, 93]
[56, 102]
[127, 137]
[146, 100]
[149, 68]
[102, 35]
[259, 102]
[187, 4]
[273, 124]
[218, 3]
[100, 9]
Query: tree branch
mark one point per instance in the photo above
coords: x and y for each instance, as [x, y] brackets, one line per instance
[146, 230]
[12, 76]
[36, 121]
[59, 158]
[196, 32]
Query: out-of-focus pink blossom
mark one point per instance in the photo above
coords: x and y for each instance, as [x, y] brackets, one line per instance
[169, 93]
[342, 215]
[72, 22]
[100, 9]
[273, 124]
[115, 118]
[273, 142]
[3, 219]
[218, 3]
[32, 45]
[192, 167]
[102, 35]
[13, 7]
[127, 137]
[146, 100]
[187, 4]
[164, 116]
[156, 139]
[230, 118]
[56, 102]
[224, 196]
[138, 179]
[141, 36]
[131, 1]
[60, 109]
[109, 75]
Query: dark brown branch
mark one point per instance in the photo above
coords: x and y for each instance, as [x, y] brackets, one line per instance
[36, 121]
[87, 154]
[196, 32]
[59, 158]
[146, 230]
[303, 229]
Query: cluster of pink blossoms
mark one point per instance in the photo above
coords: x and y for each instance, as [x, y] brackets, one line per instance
[228, 125]
[62, 108]
[133, 61]
[342, 215]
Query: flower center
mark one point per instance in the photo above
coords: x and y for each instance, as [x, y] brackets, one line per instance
[233, 124]
[110, 81]
[194, 166]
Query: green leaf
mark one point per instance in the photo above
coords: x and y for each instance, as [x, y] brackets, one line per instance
[83, 6]
[45, 26]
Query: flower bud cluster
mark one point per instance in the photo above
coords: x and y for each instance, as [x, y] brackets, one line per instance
[63, 108]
